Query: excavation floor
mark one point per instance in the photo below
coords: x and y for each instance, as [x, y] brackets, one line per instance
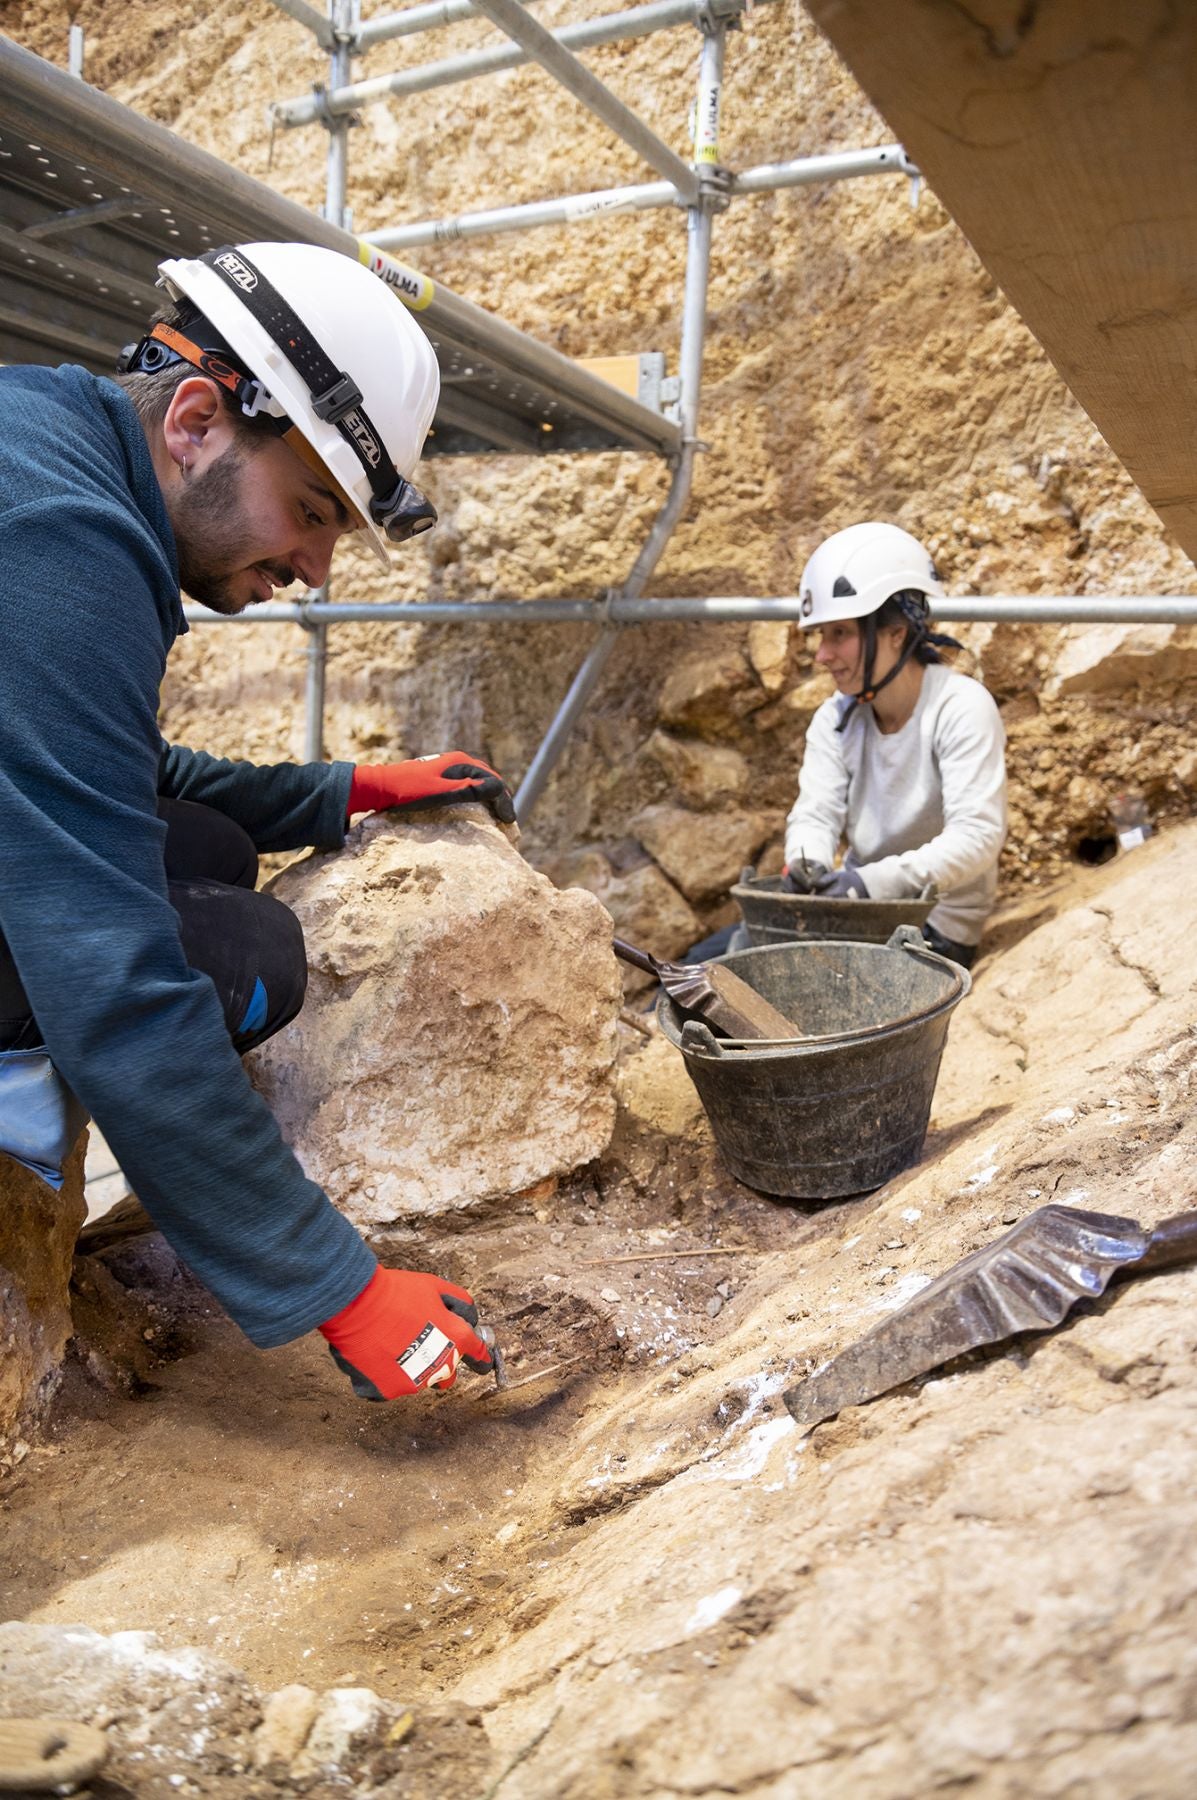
[637, 1574]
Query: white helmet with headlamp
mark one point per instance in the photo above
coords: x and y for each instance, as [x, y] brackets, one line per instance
[306, 337]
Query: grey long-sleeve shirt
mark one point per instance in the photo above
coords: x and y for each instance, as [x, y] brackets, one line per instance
[927, 803]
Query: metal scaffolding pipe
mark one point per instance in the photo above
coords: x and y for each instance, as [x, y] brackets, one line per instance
[315, 670]
[574, 209]
[561, 63]
[411, 20]
[587, 34]
[808, 171]
[307, 16]
[1014, 609]
[336, 184]
[694, 321]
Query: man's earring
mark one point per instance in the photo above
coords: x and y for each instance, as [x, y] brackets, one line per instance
[183, 468]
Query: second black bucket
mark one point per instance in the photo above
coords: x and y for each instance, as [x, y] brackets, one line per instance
[771, 916]
[846, 1107]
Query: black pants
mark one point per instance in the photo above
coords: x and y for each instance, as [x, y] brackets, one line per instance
[250, 945]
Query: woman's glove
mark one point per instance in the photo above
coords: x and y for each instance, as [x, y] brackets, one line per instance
[844, 884]
[405, 1332]
[803, 877]
[443, 780]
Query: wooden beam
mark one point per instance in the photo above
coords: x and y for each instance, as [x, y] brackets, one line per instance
[1060, 136]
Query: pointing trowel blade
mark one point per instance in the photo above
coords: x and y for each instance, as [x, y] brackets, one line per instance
[1026, 1280]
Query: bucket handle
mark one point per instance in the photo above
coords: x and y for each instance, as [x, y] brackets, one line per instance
[699, 1039]
[911, 939]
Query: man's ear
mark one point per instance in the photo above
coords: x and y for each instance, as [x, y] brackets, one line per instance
[197, 427]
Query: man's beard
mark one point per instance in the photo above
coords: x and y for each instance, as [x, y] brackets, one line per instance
[214, 535]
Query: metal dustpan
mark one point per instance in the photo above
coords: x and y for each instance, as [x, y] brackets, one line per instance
[1029, 1279]
[714, 994]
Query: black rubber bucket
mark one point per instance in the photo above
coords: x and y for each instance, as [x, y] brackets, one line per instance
[846, 1107]
[772, 916]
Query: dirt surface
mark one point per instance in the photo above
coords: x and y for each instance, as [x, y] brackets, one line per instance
[636, 1573]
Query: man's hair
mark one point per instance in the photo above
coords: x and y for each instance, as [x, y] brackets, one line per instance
[152, 393]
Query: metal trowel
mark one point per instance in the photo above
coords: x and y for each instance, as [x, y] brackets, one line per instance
[1029, 1279]
[709, 992]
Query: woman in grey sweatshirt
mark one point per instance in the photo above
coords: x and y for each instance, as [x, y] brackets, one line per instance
[906, 761]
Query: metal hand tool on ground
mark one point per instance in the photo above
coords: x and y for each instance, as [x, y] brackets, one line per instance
[1029, 1279]
[706, 991]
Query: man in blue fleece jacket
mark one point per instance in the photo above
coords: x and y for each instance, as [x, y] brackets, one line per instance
[281, 402]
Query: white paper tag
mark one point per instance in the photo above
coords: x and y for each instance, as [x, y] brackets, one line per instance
[1130, 839]
[424, 1353]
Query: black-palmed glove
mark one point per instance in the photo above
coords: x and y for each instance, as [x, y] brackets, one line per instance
[803, 877]
[844, 884]
[426, 781]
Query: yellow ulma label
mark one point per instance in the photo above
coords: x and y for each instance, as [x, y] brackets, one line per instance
[415, 290]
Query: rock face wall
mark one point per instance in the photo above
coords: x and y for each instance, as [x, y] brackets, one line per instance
[459, 1033]
[860, 363]
[38, 1228]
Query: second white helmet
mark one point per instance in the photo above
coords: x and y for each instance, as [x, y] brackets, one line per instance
[337, 354]
[855, 571]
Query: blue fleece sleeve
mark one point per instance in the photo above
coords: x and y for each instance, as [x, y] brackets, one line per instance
[282, 806]
[83, 905]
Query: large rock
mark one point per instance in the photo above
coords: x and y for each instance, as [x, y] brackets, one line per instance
[645, 905]
[702, 852]
[701, 774]
[709, 694]
[460, 1025]
[1115, 659]
[38, 1228]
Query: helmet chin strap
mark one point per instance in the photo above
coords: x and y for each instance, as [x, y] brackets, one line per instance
[918, 634]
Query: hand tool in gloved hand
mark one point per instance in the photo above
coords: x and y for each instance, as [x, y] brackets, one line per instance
[803, 877]
[405, 1332]
[444, 780]
[842, 884]
[1029, 1279]
[705, 991]
[496, 1356]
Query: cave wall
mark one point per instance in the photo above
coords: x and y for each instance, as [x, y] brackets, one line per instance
[860, 363]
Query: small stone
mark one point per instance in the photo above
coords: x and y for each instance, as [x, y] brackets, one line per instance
[286, 1720]
[1011, 1215]
[505, 1533]
[895, 1244]
[714, 1306]
[609, 1295]
[725, 1288]
[345, 1720]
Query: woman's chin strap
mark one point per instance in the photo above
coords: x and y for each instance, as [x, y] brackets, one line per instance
[916, 614]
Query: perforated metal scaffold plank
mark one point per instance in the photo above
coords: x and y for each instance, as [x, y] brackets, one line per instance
[92, 196]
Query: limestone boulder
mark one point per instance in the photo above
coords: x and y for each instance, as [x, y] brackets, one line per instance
[1114, 659]
[459, 1032]
[709, 694]
[646, 907]
[699, 773]
[38, 1228]
[703, 853]
[768, 643]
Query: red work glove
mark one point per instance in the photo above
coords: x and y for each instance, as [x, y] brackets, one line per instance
[430, 781]
[405, 1332]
